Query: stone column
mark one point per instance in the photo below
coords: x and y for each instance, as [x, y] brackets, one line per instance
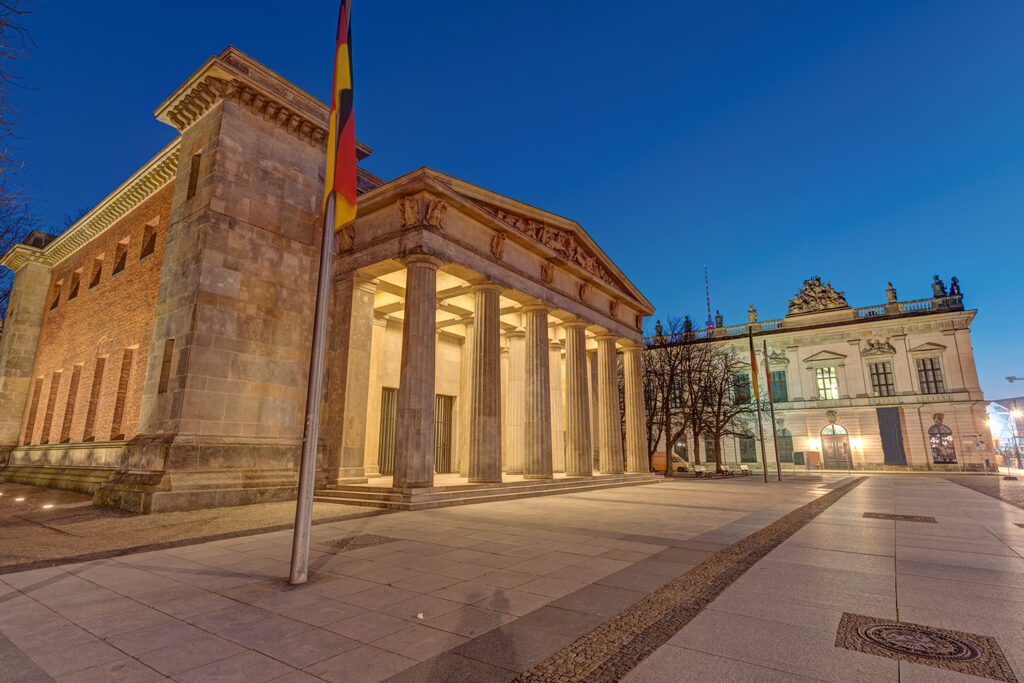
[349, 385]
[414, 433]
[516, 409]
[557, 402]
[579, 456]
[636, 425]
[538, 395]
[595, 433]
[465, 401]
[485, 396]
[504, 405]
[18, 348]
[609, 420]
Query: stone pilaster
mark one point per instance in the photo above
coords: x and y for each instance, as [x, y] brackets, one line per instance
[18, 349]
[485, 396]
[636, 433]
[465, 401]
[609, 421]
[349, 362]
[557, 406]
[516, 409]
[414, 433]
[538, 463]
[579, 458]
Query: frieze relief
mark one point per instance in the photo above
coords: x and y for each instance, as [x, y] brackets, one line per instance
[878, 347]
[560, 241]
[547, 271]
[412, 215]
[498, 245]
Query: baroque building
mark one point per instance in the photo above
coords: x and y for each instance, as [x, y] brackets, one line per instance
[885, 387]
[156, 354]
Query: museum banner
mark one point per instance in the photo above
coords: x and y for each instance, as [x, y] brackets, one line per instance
[891, 431]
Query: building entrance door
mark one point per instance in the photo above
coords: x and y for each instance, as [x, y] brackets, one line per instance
[835, 447]
[388, 426]
[443, 433]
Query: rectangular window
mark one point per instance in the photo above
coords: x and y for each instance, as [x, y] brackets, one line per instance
[881, 379]
[443, 407]
[116, 433]
[94, 400]
[148, 241]
[780, 392]
[56, 296]
[97, 271]
[828, 384]
[165, 366]
[741, 388]
[929, 374]
[676, 402]
[120, 257]
[51, 403]
[76, 280]
[30, 425]
[69, 406]
[193, 176]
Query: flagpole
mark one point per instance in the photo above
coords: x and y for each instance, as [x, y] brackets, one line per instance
[310, 433]
[771, 404]
[757, 400]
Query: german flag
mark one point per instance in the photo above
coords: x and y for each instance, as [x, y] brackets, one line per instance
[341, 146]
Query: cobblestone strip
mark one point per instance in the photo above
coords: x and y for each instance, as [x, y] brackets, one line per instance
[614, 648]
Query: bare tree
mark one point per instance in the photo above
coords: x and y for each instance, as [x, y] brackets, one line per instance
[15, 218]
[667, 362]
[726, 410]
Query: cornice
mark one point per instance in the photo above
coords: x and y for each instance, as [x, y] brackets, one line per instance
[142, 185]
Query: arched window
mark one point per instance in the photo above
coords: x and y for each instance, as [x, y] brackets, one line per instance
[679, 448]
[747, 451]
[785, 439]
[941, 439]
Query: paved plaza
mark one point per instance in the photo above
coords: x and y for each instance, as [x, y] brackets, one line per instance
[728, 579]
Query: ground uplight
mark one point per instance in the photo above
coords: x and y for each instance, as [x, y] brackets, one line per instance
[18, 500]
[48, 505]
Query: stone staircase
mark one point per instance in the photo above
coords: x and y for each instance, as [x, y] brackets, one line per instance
[467, 494]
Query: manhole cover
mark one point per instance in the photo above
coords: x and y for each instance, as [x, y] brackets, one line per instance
[922, 642]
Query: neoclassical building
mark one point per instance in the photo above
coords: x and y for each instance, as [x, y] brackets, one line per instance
[157, 352]
[886, 387]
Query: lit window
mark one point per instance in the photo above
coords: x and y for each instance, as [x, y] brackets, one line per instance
[881, 379]
[828, 384]
[929, 374]
[940, 437]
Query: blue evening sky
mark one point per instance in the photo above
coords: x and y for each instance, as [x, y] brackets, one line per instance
[859, 141]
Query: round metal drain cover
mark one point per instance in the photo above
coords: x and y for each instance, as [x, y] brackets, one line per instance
[918, 641]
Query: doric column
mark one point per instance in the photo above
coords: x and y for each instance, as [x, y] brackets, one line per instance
[414, 432]
[465, 401]
[595, 433]
[557, 412]
[579, 456]
[485, 396]
[636, 425]
[504, 405]
[538, 394]
[609, 421]
[516, 408]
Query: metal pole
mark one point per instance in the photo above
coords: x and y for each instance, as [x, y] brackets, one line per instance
[757, 401]
[771, 405]
[310, 433]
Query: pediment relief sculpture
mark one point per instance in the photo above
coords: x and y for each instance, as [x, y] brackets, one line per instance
[437, 212]
[422, 212]
[815, 296]
[878, 347]
[560, 241]
[408, 212]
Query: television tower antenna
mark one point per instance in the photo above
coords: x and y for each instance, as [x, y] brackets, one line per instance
[709, 324]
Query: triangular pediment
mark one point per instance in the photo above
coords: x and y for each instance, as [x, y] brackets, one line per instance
[825, 355]
[928, 347]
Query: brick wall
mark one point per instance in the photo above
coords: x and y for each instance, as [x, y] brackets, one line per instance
[101, 322]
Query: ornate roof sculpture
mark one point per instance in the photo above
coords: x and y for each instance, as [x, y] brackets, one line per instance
[814, 297]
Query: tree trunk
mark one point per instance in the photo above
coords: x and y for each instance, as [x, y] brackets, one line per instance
[718, 454]
[668, 436]
[695, 448]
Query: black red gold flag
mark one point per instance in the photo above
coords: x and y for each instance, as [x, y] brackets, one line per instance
[341, 145]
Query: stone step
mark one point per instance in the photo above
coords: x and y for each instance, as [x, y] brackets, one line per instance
[483, 486]
[441, 492]
[472, 496]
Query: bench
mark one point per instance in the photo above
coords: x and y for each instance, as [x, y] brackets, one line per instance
[744, 470]
[726, 472]
[700, 471]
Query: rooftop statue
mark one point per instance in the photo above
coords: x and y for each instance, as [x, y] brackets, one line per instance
[938, 287]
[890, 294]
[815, 296]
[954, 287]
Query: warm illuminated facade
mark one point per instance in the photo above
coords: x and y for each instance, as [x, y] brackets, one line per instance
[157, 352]
[892, 386]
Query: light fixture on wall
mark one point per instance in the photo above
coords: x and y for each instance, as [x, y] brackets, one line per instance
[813, 444]
[856, 442]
